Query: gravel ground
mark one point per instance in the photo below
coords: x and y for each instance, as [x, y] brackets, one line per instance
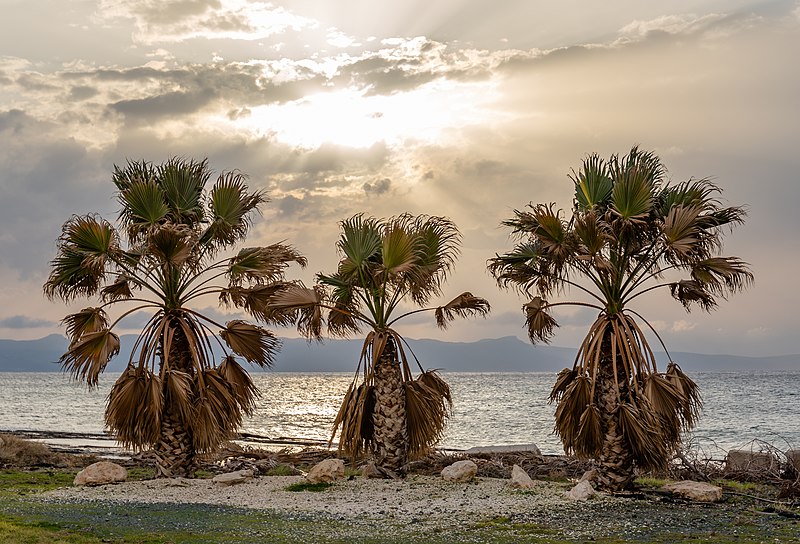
[428, 509]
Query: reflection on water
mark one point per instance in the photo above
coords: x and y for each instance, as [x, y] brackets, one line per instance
[490, 408]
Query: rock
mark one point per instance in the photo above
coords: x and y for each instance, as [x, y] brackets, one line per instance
[513, 448]
[327, 471]
[232, 478]
[793, 457]
[460, 471]
[589, 476]
[582, 491]
[101, 473]
[744, 460]
[520, 478]
[695, 491]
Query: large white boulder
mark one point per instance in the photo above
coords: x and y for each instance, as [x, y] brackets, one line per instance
[695, 491]
[232, 478]
[460, 471]
[326, 471]
[520, 478]
[101, 473]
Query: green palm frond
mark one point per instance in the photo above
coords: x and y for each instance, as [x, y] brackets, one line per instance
[88, 356]
[263, 264]
[464, 305]
[398, 253]
[133, 172]
[592, 183]
[254, 343]
[361, 244]
[632, 197]
[521, 268]
[230, 205]
[183, 182]
[722, 275]
[144, 207]
[682, 232]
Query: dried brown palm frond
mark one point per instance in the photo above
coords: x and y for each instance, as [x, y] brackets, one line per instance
[576, 397]
[217, 412]
[539, 322]
[589, 438]
[240, 382]
[254, 343]
[83, 322]
[428, 406]
[300, 304]
[120, 289]
[87, 358]
[171, 244]
[643, 435]
[563, 380]
[179, 394]
[689, 393]
[355, 419]
[666, 403]
[255, 301]
[133, 413]
[464, 305]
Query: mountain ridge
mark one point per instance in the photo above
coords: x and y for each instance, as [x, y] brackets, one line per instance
[505, 354]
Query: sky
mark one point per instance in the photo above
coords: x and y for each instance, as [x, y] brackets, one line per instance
[463, 108]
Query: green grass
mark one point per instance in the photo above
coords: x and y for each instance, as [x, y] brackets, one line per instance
[651, 482]
[281, 470]
[308, 486]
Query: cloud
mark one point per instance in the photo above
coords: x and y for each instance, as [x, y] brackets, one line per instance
[377, 187]
[25, 322]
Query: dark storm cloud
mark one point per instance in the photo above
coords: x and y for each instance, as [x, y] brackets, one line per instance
[377, 187]
[164, 105]
[24, 322]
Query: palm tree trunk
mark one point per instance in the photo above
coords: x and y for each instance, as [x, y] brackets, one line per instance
[389, 415]
[615, 470]
[174, 452]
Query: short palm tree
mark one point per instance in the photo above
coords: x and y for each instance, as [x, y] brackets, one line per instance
[173, 396]
[384, 263]
[631, 232]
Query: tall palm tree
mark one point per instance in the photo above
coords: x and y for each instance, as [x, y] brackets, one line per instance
[162, 258]
[631, 232]
[384, 263]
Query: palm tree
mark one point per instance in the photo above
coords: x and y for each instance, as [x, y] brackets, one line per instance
[386, 411]
[631, 232]
[172, 397]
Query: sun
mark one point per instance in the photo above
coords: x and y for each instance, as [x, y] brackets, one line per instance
[353, 117]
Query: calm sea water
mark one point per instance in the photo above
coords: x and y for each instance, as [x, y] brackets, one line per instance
[490, 408]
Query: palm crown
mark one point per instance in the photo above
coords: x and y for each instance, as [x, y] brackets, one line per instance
[175, 229]
[384, 263]
[630, 232]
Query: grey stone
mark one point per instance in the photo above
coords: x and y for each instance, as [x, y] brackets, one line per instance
[520, 478]
[232, 478]
[695, 491]
[582, 491]
[744, 460]
[460, 471]
[327, 471]
[100, 473]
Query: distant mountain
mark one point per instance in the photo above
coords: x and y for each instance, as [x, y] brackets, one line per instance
[508, 354]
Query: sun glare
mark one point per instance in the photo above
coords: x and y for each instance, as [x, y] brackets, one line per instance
[350, 117]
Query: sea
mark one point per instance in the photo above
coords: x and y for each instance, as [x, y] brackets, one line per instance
[742, 410]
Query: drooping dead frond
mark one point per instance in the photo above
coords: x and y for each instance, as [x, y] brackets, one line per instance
[563, 380]
[171, 244]
[179, 394]
[576, 397]
[589, 438]
[240, 382]
[666, 402]
[255, 301]
[355, 419]
[83, 322]
[428, 406]
[87, 358]
[690, 291]
[643, 436]
[217, 412]
[539, 322]
[464, 305]
[254, 343]
[689, 393]
[133, 413]
[120, 289]
[301, 305]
